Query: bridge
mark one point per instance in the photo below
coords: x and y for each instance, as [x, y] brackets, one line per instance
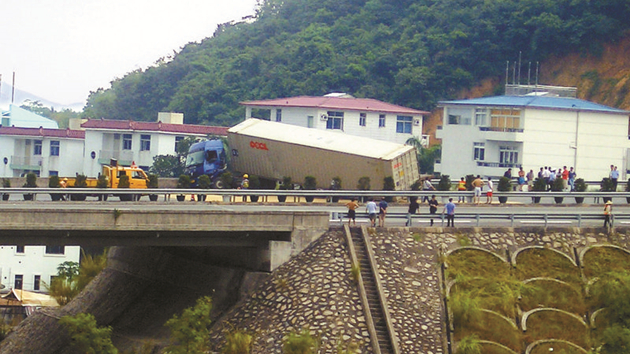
[259, 240]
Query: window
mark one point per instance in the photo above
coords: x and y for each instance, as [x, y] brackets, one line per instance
[19, 281]
[145, 142]
[403, 124]
[310, 121]
[362, 119]
[54, 148]
[278, 115]
[19, 249]
[55, 249]
[508, 155]
[126, 142]
[335, 120]
[178, 140]
[458, 119]
[381, 120]
[53, 173]
[505, 120]
[37, 147]
[36, 282]
[479, 151]
[480, 116]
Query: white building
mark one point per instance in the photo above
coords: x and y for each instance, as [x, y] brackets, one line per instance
[23, 118]
[44, 151]
[364, 117]
[139, 142]
[28, 267]
[486, 136]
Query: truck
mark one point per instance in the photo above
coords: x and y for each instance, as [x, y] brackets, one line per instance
[272, 150]
[138, 179]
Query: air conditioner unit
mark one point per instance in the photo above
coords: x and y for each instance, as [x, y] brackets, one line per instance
[416, 122]
[323, 117]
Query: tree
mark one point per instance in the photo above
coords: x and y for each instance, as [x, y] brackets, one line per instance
[86, 336]
[70, 281]
[190, 331]
[426, 156]
[173, 165]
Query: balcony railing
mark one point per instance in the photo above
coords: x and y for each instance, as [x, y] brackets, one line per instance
[497, 129]
[26, 162]
[498, 164]
[123, 156]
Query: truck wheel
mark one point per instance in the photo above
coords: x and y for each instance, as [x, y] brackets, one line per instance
[218, 184]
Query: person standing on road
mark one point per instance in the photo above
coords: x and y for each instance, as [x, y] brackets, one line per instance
[521, 179]
[433, 207]
[382, 211]
[477, 184]
[371, 209]
[489, 192]
[572, 175]
[614, 177]
[461, 187]
[608, 213]
[449, 210]
[413, 208]
[427, 186]
[530, 179]
[245, 185]
[352, 214]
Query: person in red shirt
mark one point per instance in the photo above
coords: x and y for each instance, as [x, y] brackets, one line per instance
[565, 177]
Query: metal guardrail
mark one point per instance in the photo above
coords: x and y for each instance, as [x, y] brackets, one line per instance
[311, 193]
[478, 218]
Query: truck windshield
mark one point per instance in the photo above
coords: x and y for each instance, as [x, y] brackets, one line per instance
[194, 158]
[211, 156]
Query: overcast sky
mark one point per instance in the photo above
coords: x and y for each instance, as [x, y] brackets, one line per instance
[63, 49]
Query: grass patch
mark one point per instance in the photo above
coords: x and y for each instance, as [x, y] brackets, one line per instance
[493, 328]
[557, 325]
[490, 294]
[601, 260]
[545, 293]
[476, 263]
[556, 347]
[541, 262]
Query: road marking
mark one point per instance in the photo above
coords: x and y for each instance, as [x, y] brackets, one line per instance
[542, 222]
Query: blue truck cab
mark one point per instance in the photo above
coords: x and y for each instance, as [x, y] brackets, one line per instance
[206, 158]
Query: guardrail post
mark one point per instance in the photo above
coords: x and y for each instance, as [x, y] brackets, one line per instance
[409, 219]
[442, 217]
[546, 221]
[511, 220]
[477, 218]
[579, 217]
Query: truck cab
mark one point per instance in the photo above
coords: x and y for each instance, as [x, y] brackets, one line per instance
[206, 158]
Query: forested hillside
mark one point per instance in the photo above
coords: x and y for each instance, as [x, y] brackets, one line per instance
[408, 52]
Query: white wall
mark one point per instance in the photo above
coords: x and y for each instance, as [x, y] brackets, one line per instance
[34, 261]
[299, 116]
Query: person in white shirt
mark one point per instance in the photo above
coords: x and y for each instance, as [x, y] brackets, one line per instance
[489, 192]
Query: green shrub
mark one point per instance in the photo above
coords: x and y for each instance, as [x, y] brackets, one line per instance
[53, 182]
[237, 342]
[557, 185]
[153, 181]
[6, 183]
[102, 181]
[607, 185]
[287, 183]
[364, 184]
[86, 336]
[416, 185]
[310, 183]
[123, 182]
[300, 343]
[469, 181]
[504, 185]
[204, 182]
[445, 183]
[31, 180]
[226, 180]
[190, 332]
[336, 183]
[388, 183]
[183, 182]
[254, 182]
[80, 181]
[540, 185]
[580, 185]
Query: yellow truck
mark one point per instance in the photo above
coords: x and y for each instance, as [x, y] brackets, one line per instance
[138, 179]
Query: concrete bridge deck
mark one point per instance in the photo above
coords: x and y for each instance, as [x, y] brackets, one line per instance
[268, 238]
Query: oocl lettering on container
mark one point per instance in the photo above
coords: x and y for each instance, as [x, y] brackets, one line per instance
[257, 145]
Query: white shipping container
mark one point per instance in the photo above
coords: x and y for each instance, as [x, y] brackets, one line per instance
[273, 150]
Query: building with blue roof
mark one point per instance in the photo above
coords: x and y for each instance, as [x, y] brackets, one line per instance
[23, 118]
[486, 136]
